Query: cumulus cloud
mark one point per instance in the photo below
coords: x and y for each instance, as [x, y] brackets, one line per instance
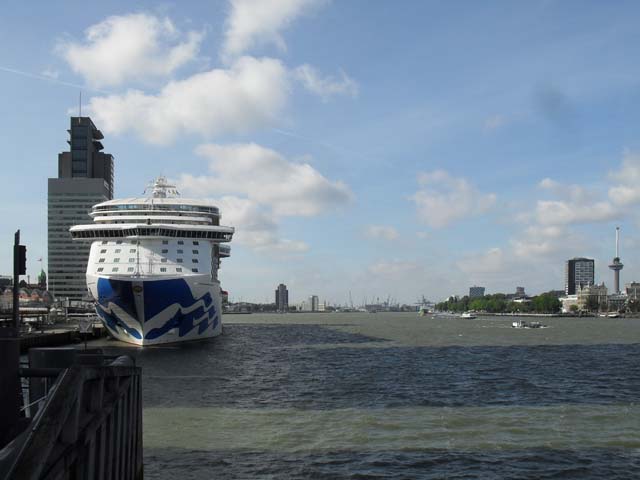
[289, 188]
[575, 205]
[626, 192]
[556, 212]
[538, 241]
[384, 232]
[256, 226]
[247, 95]
[327, 86]
[254, 23]
[125, 47]
[258, 186]
[443, 199]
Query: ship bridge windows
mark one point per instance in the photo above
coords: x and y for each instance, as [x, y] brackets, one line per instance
[178, 260]
[194, 270]
[165, 242]
[164, 250]
[100, 269]
[116, 260]
[152, 232]
[194, 260]
[118, 250]
[195, 242]
[101, 260]
[114, 269]
[131, 260]
[104, 250]
[178, 269]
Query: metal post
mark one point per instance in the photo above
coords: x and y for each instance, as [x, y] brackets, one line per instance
[16, 280]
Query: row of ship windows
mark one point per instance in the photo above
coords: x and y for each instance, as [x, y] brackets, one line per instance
[133, 250]
[130, 269]
[131, 260]
[164, 242]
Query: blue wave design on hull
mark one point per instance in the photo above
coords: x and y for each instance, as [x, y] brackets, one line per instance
[111, 320]
[184, 322]
[158, 297]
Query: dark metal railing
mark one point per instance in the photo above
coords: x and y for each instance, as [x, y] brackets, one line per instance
[88, 425]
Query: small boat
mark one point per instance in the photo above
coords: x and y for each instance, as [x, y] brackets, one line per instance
[613, 315]
[524, 324]
[467, 315]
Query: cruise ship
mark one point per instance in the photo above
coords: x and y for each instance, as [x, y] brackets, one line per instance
[153, 266]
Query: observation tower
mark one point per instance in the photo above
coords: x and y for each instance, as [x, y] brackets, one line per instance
[616, 265]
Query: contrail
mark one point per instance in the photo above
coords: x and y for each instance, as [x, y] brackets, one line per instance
[52, 80]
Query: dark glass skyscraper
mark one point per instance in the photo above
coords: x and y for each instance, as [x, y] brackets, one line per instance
[578, 272]
[85, 178]
[282, 298]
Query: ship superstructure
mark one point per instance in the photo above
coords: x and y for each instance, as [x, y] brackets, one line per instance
[153, 266]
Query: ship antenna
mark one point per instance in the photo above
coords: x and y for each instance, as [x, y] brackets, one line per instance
[80, 105]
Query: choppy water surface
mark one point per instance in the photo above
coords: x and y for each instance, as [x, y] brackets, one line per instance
[395, 396]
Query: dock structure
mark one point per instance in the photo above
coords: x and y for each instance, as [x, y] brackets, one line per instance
[79, 418]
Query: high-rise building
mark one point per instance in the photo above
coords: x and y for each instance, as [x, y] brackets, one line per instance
[85, 178]
[314, 303]
[282, 298]
[579, 272]
[476, 292]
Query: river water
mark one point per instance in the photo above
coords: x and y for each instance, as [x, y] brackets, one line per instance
[395, 396]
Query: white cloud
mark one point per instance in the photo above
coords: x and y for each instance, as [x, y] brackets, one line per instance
[255, 225]
[548, 184]
[384, 232]
[556, 212]
[325, 87]
[256, 186]
[289, 188]
[575, 204]
[627, 190]
[540, 241]
[443, 199]
[257, 22]
[247, 95]
[134, 46]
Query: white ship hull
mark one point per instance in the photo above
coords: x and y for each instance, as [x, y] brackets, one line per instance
[157, 310]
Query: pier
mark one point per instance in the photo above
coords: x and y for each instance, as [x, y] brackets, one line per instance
[69, 414]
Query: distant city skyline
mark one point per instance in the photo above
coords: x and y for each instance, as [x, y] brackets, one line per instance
[367, 147]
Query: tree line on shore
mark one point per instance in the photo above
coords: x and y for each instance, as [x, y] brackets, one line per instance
[499, 303]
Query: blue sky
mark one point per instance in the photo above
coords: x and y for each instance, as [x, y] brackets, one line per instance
[382, 148]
